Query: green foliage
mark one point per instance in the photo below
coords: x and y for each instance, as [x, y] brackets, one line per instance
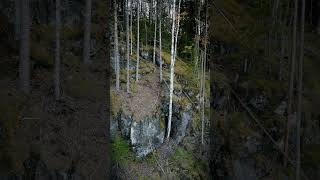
[186, 164]
[120, 151]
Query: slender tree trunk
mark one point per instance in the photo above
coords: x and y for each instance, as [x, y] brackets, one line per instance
[160, 42]
[87, 32]
[155, 33]
[116, 46]
[24, 64]
[291, 81]
[17, 19]
[138, 40]
[204, 78]
[131, 34]
[128, 50]
[172, 66]
[198, 37]
[57, 55]
[300, 88]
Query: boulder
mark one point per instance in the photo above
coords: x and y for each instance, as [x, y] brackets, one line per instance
[146, 136]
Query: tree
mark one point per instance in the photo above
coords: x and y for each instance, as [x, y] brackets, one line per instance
[291, 81]
[204, 77]
[17, 18]
[116, 47]
[131, 36]
[87, 32]
[138, 39]
[300, 85]
[174, 38]
[155, 32]
[24, 64]
[57, 54]
[128, 50]
[160, 42]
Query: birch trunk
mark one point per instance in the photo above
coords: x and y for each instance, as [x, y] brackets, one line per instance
[57, 54]
[131, 36]
[128, 50]
[160, 43]
[24, 64]
[204, 78]
[87, 32]
[171, 67]
[138, 39]
[116, 47]
[155, 34]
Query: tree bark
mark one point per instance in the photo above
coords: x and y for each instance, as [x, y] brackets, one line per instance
[24, 64]
[87, 32]
[57, 55]
[131, 34]
[171, 67]
[116, 47]
[291, 81]
[138, 40]
[155, 33]
[160, 42]
[17, 19]
[128, 50]
[300, 88]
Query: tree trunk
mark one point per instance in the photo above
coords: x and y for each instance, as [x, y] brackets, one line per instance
[57, 55]
[138, 39]
[87, 32]
[291, 81]
[172, 66]
[155, 33]
[24, 64]
[131, 34]
[204, 78]
[160, 42]
[300, 81]
[17, 19]
[116, 47]
[128, 50]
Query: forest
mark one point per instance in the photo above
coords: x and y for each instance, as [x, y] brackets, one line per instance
[159, 89]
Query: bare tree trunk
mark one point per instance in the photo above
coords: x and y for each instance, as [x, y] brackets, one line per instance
[87, 32]
[160, 42]
[116, 47]
[138, 41]
[128, 50]
[155, 33]
[172, 66]
[291, 82]
[24, 64]
[17, 19]
[131, 34]
[198, 30]
[300, 88]
[204, 78]
[57, 55]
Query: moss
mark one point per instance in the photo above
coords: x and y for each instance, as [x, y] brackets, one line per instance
[45, 33]
[120, 151]
[186, 164]
[115, 103]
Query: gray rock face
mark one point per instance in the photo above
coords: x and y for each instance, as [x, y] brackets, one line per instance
[146, 136]
[182, 125]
